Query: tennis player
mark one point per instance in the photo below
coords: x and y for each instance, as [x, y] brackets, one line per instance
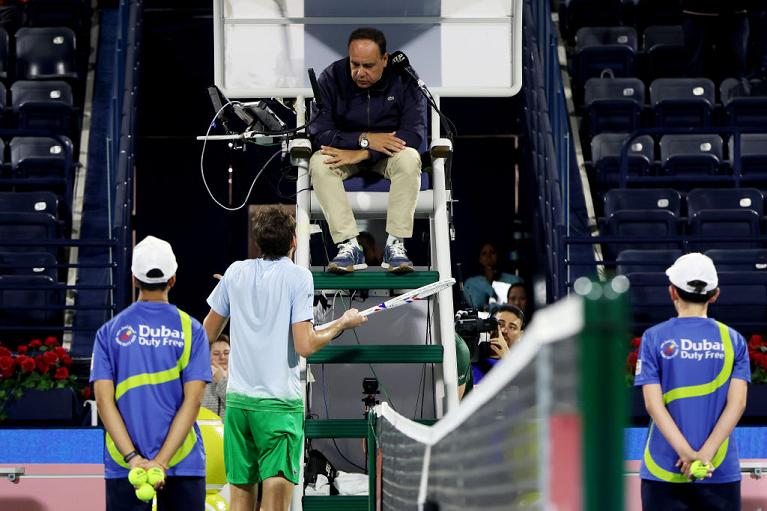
[268, 299]
[694, 373]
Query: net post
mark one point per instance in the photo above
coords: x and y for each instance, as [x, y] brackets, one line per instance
[603, 392]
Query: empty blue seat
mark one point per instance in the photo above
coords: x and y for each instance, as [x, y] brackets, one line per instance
[744, 259]
[27, 227]
[725, 213]
[28, 263]
[742, 303]
[682, 102]
[43, 105]
[633, 260]
[691, 154]
[29, 202]
[45, 53]
[56, 13]
[599, 49]
[745, 102]
[665, 50]
[4, 54]
[645, 199]
[649, 299]
[606, 155]
[654, 225]
[613, 104]
[753, 156]
[44, 157]
[29, 300]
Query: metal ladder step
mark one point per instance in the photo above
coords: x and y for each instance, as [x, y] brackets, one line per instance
[336, 428]
[378, 354]
[336, 503]
[374, 280]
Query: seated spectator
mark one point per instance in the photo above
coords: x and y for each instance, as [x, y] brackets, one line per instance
[517, 296]
[214, 398]
[511, 324]
[478, 290]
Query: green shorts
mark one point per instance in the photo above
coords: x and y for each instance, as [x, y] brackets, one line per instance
[263, 442]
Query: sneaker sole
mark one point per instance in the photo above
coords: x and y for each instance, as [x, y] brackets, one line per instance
[402, 268]
[333, 268]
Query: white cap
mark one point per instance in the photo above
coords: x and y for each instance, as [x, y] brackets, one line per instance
[692, 267]
[153, 254]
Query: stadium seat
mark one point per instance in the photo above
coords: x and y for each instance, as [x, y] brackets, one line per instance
[695, 155]
[43, 105]
[45, 53]
[56, 13]
[28, 263]
[27, 227]
[4, 54]
[613, 104]
[664, 50]
[606, 152]
[599, 49]
[745, 102]
[742, 303]
[633, 261]
[41, 157]
[29, 202]
[723, 213]
[649, 299]
[745, 259]
[753, 156]
[656, 225]
[27, 300]
[644, 199]
[682, 102]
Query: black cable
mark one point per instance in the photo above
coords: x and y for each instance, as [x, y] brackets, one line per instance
[327, 416]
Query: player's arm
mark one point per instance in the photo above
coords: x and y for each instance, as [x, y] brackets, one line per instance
[182, 423]
[733, 410]
[113, 420]
[214, 324]
[653, 400]
[308, 341]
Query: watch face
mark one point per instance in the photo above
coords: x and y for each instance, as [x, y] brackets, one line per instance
[363, 143]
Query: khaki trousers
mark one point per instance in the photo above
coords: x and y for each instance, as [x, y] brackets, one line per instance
[403, 169]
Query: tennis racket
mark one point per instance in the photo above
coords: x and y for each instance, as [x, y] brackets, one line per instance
[403, 299]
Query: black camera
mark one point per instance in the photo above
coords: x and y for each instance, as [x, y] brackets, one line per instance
[469, 326]
[370, 389]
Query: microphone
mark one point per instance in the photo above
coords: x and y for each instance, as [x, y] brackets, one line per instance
[315, 88]
[400, 64]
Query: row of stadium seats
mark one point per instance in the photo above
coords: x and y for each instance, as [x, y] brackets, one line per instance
[618, 104]
[657, 260]
[42, 106]
[575, 14]
[693, 156]
[36, 157]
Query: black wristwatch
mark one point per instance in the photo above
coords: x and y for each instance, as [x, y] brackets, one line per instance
[363, 141]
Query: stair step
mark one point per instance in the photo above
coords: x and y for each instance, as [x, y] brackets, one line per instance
[381, 354]
[374, 280]
[336, 503]
[336, 428]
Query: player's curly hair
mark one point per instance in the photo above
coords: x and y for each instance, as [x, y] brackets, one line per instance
[274, 229]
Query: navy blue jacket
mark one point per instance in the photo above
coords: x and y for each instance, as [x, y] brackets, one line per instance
[393, 103]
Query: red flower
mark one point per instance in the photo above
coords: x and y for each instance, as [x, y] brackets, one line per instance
[27, 364]
[51, 341]
[5, 352]
[66, 360]
[6, 363]
[22, 349]
[756, 341]
[58, 350]
[50, 357]
[62, 373]
[35, 343]
[42, 365]
[632, 359]
[635, 342]
[6, 373]
[87, 393]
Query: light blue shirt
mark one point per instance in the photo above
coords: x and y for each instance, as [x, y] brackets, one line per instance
[264, 298]
[478, 290]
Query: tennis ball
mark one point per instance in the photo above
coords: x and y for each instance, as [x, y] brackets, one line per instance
[154, 475]
[145, 492]
[137, 476]
[699, 470]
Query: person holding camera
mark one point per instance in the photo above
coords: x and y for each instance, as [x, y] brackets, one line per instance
[511, 323]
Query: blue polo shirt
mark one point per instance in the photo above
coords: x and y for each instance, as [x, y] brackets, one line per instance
[693, 360]
[150, 352]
